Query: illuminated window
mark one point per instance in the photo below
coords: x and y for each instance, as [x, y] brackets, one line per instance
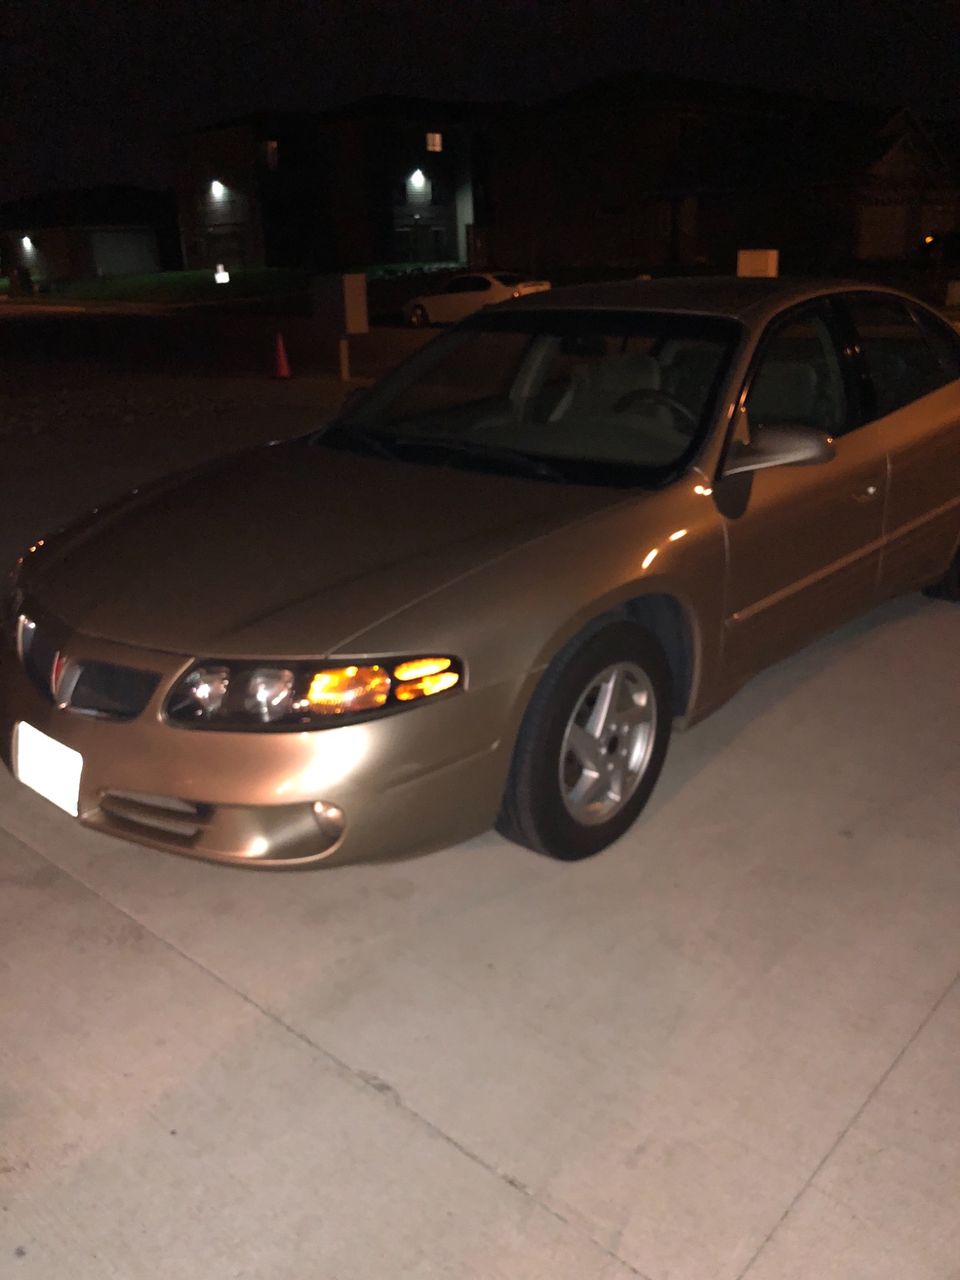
[434, 141]
[270, 154]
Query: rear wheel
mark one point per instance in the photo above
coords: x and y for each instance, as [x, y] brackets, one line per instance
[592, 744]
[948, 588]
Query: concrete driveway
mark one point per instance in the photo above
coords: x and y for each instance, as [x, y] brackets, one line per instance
[726, 1048]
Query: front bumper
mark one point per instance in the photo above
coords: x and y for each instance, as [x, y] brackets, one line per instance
[418, 780]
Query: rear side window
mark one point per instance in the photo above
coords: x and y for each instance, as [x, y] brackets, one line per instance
[901, 359]
[944, 342]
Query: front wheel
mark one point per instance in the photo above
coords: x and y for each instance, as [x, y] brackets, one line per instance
[591, 745]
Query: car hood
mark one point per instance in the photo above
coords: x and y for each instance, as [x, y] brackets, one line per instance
[288, 550]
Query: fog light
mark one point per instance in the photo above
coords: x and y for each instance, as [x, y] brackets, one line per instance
[330, 821]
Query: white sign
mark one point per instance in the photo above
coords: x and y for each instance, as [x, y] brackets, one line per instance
[48, 767]
[758, 262]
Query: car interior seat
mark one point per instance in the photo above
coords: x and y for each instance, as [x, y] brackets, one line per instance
[599, 388]
[784, 392]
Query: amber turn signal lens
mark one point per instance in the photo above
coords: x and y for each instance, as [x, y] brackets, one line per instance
[341, 689]
[425, 686]
[416, 668]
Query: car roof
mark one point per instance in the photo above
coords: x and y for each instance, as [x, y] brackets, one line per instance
[745, 299]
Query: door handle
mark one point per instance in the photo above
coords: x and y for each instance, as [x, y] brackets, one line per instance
[867, 494]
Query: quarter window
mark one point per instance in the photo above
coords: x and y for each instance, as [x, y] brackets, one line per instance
[901, 360]
[798, 381]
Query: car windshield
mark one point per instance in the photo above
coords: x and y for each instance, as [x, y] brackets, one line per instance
[591, 397]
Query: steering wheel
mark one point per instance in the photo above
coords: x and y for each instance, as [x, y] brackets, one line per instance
[653, 395]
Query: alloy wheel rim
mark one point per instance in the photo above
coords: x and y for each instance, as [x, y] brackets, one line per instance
[607, 743]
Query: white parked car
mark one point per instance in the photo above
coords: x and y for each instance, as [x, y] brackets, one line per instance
[462, 295]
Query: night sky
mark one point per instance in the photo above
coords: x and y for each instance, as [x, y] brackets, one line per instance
[94, 91]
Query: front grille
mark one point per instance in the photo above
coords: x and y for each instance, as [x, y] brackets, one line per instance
[39, 653]
[120, 693]
[165, 816]
[95, 688]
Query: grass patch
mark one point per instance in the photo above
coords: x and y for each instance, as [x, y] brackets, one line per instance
[187, 286]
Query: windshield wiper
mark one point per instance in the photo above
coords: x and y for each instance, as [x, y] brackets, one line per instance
[394, 446]
[365, 441]
[528, 464]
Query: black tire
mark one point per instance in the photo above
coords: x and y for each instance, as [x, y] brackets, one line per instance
[948, 588]
[419, 318]
[533, 811]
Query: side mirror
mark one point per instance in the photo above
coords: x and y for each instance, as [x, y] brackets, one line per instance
[781, 446]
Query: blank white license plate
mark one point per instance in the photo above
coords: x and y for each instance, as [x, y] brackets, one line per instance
[48, 767]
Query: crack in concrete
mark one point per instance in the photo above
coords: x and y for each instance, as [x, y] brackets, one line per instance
[897, 1059]
[366, 1079]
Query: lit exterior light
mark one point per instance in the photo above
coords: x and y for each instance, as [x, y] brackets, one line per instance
[221, 275]
[649, 558]
[27, 244]
[434, 141]
[351, 688]
[426, 686]
[677, 535]
[417, 668]
[217, 189]
[417, 180]
[928, 239]
[702, 489]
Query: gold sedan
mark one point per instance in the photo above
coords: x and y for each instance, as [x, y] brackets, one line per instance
[488, 591]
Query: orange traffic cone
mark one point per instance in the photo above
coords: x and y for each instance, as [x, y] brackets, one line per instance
[281, 365]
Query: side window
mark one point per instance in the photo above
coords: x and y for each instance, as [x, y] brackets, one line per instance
[475, 284]
[943, 341]
[798, 380]
[901, 361]
[459, 284]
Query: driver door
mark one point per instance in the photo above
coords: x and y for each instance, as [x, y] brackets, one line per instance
[803, 541]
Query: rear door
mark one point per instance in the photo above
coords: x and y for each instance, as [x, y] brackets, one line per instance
[910, 367]
[803, 541]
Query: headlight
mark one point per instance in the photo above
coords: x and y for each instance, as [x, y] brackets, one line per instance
[300, 695]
